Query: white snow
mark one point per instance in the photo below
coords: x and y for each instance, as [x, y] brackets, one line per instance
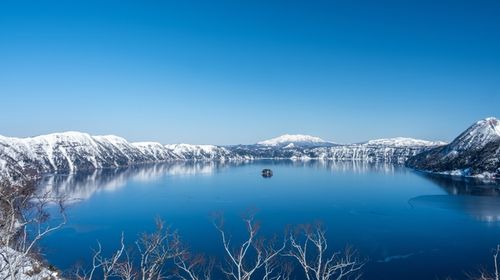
[467, 173]
[113, 139]
[404, 142]
[292, 138]
[494, 123]
[191, 148]
[26, 268]
[199, 152]
[457, 172]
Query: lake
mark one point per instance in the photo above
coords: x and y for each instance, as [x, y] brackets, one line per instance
[408, 225]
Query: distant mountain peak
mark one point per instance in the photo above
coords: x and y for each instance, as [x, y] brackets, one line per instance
[287, 139]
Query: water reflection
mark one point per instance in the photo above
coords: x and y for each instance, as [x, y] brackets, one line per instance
[478, 198]
[354, 166]
[482, 208]
[464, 186]
[82, 185]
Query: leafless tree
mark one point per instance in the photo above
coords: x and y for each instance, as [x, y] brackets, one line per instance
[486, 275]
[309, 247]
[110, 267]
[154, 250]
[243, 261]
[24, 221]
[193, 267]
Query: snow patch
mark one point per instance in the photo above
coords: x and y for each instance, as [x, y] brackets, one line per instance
[494, 123]
[27, 268]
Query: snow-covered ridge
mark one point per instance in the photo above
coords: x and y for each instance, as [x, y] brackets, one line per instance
[404, 142]
[292, 139]
[200, 152]
[396, 150]
[67, 152]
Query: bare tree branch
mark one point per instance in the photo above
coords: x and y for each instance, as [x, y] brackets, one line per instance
[193, 267]
[240, 263]
[309, 247]
[485, 274]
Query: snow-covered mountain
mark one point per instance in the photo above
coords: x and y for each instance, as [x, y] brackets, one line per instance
[74, 151]
[475, 152]
[68, 152]
[394, 150]
[292, 140]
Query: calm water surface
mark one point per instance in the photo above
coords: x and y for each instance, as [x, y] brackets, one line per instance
[408, 225]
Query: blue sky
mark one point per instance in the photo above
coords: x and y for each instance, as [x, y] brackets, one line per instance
[226, 72]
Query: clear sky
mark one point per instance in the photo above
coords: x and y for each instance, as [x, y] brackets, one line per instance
[227, 72]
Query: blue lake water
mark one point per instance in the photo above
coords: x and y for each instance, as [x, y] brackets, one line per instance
[407, 225]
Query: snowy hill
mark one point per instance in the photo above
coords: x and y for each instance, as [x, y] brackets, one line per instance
[295, 140]
[22, 158]
[475, 152]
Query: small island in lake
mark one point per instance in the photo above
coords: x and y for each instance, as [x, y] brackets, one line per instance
[267, 173]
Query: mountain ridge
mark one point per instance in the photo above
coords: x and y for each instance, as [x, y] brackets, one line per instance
[72, 151]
